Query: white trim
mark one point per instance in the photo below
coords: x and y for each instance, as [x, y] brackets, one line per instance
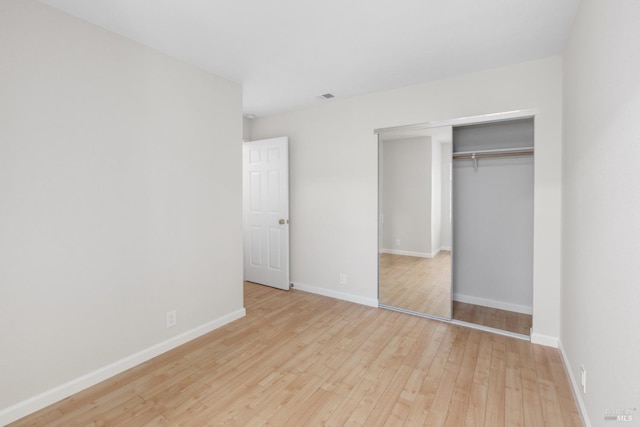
[545, 340]
[577, 392]
[462, 121]
[524, 309]
[371, 302]
[446, 248]
[574, 386]
[407, 253]
[56, 394]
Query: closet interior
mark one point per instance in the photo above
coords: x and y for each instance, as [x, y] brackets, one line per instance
[492, 199]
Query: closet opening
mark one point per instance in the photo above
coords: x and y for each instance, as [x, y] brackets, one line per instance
[455, 223]
[492, 205]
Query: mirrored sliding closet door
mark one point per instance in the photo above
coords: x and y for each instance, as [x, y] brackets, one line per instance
[415, 217]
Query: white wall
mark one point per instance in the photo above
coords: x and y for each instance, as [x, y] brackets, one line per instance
[436, 197]
[406, 191]
[334, 175]
[493, 233]
[446, 229]
[601, 205]
[120, 187]
[246, 129]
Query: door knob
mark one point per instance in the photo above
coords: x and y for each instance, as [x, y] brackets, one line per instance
[281, 222]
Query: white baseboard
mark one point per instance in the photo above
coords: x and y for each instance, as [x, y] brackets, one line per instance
[33, 404]
[524, 309]
[545, 340]
[446, 248]
[371, 302]
[406, 253]
[577, 392]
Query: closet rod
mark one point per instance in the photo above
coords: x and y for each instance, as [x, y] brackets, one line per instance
[506, 152]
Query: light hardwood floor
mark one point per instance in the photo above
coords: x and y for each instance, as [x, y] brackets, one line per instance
[417, 284]
[423, 285]
[493, 317]
[299, 359]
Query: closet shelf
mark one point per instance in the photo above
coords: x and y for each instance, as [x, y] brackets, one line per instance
[505, 152]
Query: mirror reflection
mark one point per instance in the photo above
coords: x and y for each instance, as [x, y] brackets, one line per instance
[415, 221]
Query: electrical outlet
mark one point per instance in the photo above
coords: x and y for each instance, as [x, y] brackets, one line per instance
[171, 319]
[397, 243]
[583, 379]
[343, 278]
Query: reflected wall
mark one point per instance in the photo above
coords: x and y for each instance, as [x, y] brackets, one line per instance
[415, 221]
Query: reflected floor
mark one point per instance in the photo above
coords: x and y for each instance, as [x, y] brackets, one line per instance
[423, 285]
[417, 284]
[492, 317]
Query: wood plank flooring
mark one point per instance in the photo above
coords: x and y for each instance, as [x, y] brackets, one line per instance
[299, 359]
[423, 285]
[493, 317]
[417, 284]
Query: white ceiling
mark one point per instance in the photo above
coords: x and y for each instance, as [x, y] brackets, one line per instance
[288, 52]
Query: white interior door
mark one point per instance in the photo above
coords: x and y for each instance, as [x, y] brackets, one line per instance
[266, 211]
